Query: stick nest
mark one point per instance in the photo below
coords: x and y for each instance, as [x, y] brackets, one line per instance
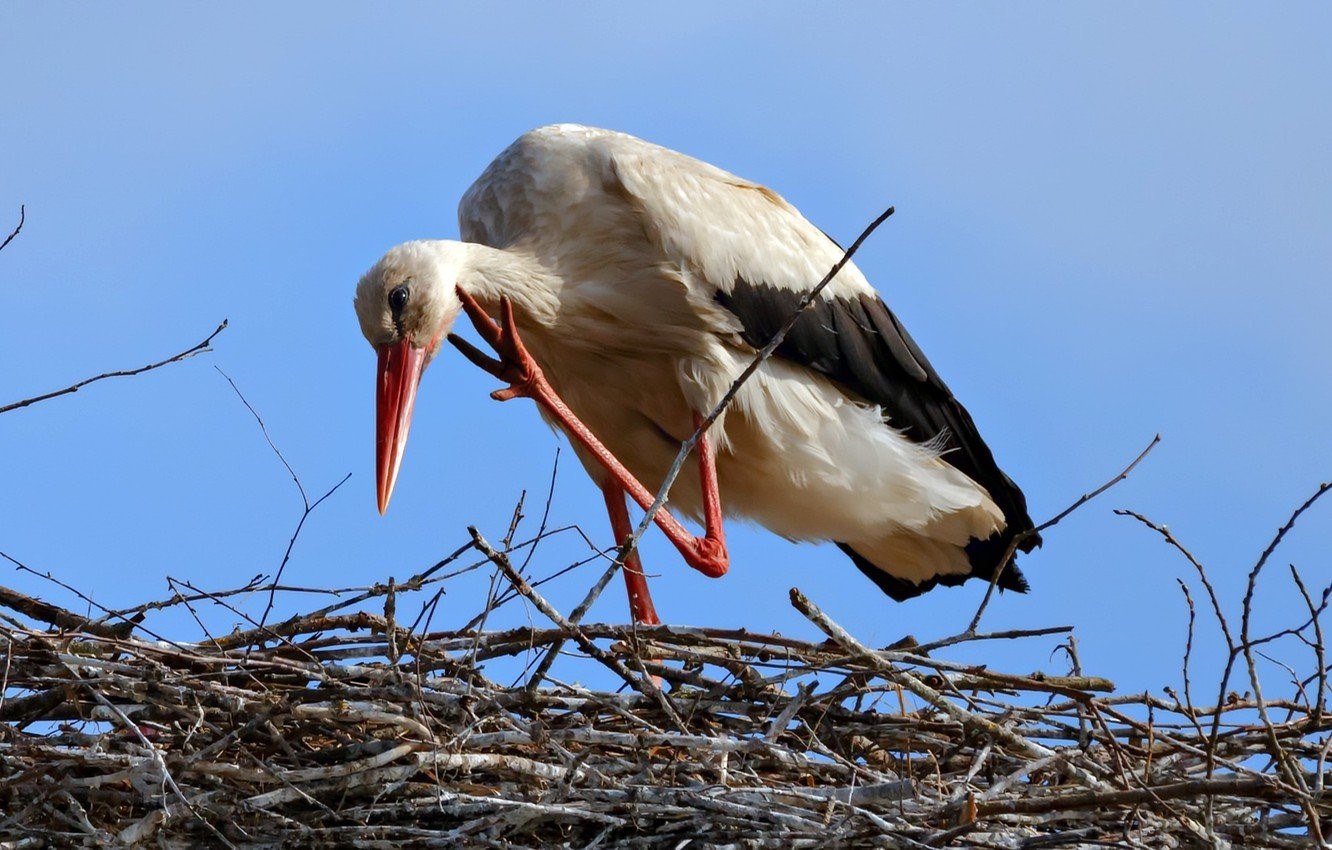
[348, 729]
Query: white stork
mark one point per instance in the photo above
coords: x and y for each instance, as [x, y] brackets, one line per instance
[643, 281]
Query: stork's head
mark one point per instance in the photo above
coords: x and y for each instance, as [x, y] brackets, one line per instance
[406, 305]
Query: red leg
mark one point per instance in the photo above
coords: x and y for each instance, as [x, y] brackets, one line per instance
[635, 580]
[706, 554]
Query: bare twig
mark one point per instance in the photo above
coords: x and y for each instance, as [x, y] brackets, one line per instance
[1170, 538]
[640, 683]
[306, 505]
[1018, 539]
[200, 348]
[763, 354]
[10, 238]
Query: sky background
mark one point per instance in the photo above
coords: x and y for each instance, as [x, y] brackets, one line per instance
[1112, 221]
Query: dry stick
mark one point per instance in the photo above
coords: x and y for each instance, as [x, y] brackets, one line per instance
[1237, 648]
[1094, 799]
[127, 623]
[1050, 523]
[545, 512]
[967, 637]
[1186, 662]
[55, 615]
[1319, 648]
[22, 218]
[642, 684]
[259, 629]
[125, 373]
[911, 682]
[1170, 538]
[307, 505]
[153, 756]
[1288, 765]
[508, 594]
[687, 447]
[1243, 645]
[537, 538]
[575, 617]
[255, 587]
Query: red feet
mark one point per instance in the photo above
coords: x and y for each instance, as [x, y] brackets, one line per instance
[516, 366]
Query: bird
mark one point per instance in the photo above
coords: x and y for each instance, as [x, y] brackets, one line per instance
[623, 286]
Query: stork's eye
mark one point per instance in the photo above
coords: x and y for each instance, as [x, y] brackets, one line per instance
[398, 299]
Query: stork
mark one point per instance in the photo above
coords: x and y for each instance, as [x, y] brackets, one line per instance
[631, 285]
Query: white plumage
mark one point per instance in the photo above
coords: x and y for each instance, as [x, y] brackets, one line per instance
[642, 280]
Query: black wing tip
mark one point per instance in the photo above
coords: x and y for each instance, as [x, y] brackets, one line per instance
[983, 555]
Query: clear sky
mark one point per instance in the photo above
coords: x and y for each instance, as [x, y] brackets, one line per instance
[1113, 220]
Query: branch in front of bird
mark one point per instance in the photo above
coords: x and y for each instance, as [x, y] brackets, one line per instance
[688, 446]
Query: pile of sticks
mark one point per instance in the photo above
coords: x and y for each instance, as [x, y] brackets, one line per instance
[345, 727]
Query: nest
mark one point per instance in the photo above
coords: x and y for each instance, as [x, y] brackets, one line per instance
[343, 727]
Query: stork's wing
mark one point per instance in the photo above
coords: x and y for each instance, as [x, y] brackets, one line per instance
[755, 254]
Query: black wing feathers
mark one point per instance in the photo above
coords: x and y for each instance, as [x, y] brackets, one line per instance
[861, 345]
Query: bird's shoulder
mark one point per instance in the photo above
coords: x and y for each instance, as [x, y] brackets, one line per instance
[557, 184]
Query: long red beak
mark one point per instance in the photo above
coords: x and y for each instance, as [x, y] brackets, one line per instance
[400, 368]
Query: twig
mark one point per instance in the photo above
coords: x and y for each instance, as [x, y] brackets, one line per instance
[575, 617]
[54, 614]
[1319, 647]
[1018, 539]
[1170, 538]
[968, 719]
[688, 446]
[1010, 634]
[1290, 768]
[187, 353]
[306, 505]
[642, 684]
[15, 232]
[156, 758]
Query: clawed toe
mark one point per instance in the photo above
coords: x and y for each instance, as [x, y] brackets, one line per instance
[515, 365]
[476, 355]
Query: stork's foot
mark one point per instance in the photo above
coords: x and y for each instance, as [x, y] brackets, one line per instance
[515, 365]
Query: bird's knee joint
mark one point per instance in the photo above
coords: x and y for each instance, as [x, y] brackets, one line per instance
[711, 558]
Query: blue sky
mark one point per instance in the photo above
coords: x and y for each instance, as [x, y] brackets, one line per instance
[1112, 221]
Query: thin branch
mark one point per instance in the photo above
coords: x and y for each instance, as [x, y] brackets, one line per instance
[644, 684]
[1319, 647]
[53, 614]
[1019, 539]
[763, 354]
[1170, 538]
[91, 627]
[300, 488]
[307, 505]
[187, 353]
[1010, 634]
[10, 237]
[1290, 767]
